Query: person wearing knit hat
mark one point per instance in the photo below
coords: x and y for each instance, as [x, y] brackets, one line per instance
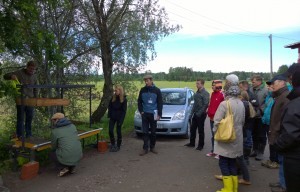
[216, 98]
[233, 79]
[288, 142]
[229, 151]
[65, 144]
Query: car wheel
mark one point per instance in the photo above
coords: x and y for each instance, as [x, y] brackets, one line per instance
[187, 133]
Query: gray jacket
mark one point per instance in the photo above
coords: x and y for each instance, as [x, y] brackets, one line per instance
[261, 93]
[235, 148]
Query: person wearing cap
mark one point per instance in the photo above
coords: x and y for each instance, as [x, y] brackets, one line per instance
[279, 93]
[229, 151]
[288, 142]
[216, 98]
[259, 134]
[25, 76]
[149, 103]
[291, 70]
[65, 144]
[201, 101]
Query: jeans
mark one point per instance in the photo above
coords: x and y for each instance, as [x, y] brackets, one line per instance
[243, 167]
[28, 111]
[248, 141]
[281, 172]
[149, 124]
[58, 165]
[112, 123]
[212, 135]
[198, 123]
[228, 166]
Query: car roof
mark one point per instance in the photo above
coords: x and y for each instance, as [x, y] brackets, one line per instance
[174, 89]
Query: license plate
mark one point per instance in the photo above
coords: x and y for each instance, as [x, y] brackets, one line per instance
[159, 126]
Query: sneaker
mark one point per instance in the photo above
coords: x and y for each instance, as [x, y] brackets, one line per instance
[144, 152]
[210, 154]
[189, 145]
[266, 163]
[273, 165]
[63, 172]
[72, 169]
[153, 151]
[217, 157]
[253, 154]
[277, 184]
[278, 189]
[219, 177]
[244, 182]
[199, 148]
[113, 149]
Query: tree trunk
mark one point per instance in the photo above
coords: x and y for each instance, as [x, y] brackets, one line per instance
[107, 64]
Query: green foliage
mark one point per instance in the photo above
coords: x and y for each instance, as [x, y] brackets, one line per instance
[282, 69]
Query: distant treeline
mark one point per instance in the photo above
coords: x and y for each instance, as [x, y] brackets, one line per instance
[181, 74]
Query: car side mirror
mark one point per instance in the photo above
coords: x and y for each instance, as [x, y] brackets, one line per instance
[192, 102]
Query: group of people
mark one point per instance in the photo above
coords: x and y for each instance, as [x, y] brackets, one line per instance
[261, 112]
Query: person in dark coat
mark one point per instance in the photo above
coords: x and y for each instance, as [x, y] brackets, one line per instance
[116, 112]
[65, 144]
[288, 142]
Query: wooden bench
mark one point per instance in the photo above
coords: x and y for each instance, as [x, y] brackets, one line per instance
[37, 144]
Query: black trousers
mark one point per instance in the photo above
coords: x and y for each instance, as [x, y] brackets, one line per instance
[149, 125]
[198, 123]
[292, 173]
[112, 123]
[259, 134]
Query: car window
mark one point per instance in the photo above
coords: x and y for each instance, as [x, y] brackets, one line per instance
[190, 96]
[174, 98]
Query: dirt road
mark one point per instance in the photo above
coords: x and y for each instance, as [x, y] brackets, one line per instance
[176, 168]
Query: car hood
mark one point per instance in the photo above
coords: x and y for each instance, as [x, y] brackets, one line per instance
[170, 110]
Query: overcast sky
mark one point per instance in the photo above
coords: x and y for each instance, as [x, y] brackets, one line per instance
[231, 35]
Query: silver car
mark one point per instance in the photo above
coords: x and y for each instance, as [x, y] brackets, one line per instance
[175, 120]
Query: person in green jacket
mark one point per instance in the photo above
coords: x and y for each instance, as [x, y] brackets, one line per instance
[65, 144]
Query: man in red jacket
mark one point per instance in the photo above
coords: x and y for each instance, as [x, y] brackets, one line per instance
[216, 98]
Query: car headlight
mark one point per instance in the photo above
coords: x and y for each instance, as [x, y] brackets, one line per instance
[180, 115]
[137, 115]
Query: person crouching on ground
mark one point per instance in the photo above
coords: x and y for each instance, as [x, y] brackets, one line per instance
[228, 152]
[116, 112]
[65, 144]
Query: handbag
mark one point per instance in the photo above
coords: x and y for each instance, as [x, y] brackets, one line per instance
[252, 110]
[226, 132]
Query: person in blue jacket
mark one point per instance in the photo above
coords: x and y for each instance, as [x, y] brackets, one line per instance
[150, 107]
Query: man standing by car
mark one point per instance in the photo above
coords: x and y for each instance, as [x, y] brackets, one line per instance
[201, 100]
[150, 107]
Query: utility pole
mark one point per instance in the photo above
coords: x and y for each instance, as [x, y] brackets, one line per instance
[271, 58]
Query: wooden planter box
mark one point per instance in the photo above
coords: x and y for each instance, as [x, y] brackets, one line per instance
[39, 102]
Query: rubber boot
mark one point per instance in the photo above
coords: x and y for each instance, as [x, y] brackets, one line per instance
[260, 152]
[235, 183]
[228, 185]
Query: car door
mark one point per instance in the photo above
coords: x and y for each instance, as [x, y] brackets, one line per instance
[190, 95]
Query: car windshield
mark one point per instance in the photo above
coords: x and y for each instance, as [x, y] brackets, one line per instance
[173, 98]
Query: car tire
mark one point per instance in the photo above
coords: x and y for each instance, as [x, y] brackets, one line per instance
[187, 133]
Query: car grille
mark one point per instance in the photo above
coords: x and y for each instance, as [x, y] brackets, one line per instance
[165, 119]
